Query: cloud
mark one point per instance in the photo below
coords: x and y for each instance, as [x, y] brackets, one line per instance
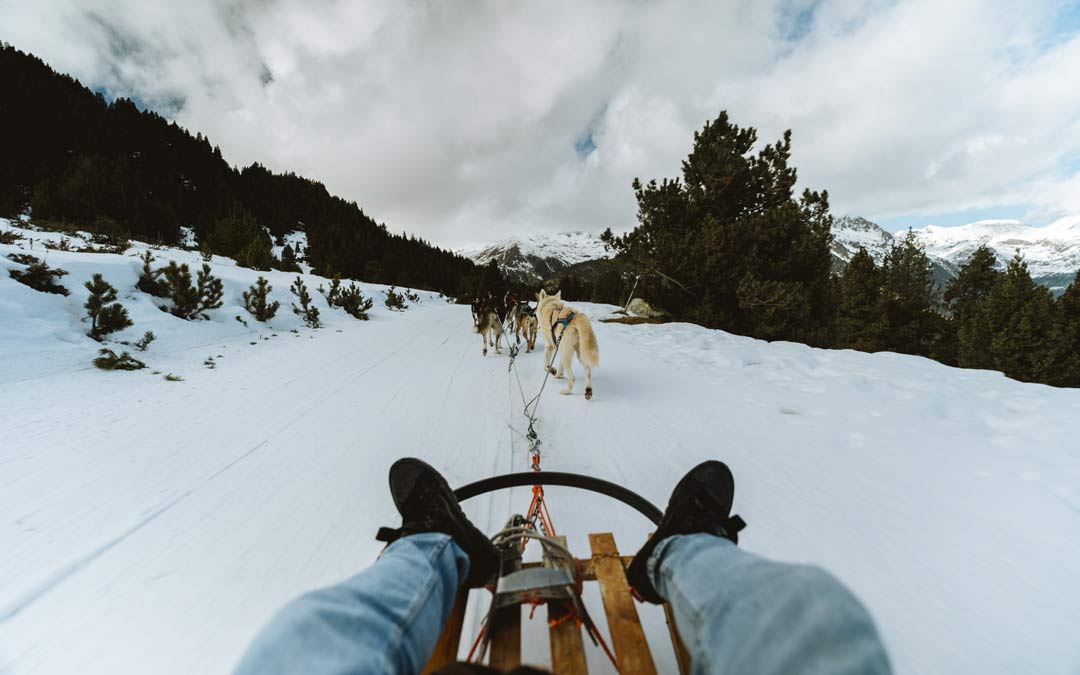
[464, 121]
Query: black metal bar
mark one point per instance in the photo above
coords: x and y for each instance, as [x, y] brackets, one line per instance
[561, 478]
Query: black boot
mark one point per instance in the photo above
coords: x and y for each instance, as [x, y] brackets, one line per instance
[427, 504]
[701, 502]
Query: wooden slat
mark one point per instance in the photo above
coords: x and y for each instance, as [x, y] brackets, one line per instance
[567, 647]
[446, 649]
[682, 656]
[627, 637]
[506, 638]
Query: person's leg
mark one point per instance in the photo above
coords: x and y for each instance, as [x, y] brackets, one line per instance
[385, 619]
[739, 613]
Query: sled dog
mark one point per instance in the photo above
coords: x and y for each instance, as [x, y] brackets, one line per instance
[486, 323]
[520, 315]
[528, 325]
[574, 334]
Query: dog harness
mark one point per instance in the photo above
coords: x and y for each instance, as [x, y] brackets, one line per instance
[565, 322]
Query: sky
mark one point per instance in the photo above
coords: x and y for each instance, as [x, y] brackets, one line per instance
[467, 122]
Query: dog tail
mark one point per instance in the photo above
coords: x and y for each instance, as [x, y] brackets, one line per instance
[588, 349]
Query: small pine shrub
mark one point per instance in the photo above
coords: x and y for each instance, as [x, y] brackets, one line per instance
[210, 362]
[37, 275]
[148, 279]
[23, 258]
[394, 300]
[255, 301]
[413, 297]
[8, 237]
[106, 315]
[309, 313]
[173, 378]
[354, 302]
[288, 260]
[142, 343]
[333, 295]
[191, 301]
[108, 360]
[258, 254]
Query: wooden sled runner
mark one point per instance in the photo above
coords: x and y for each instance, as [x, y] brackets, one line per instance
[627, 639]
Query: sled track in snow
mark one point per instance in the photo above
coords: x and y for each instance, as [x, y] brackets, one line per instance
[67, 571]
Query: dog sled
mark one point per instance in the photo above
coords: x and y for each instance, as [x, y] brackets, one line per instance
[556, 581]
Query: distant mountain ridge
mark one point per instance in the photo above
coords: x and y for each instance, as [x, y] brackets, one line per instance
[532, 258]
[852, 232]
[1052, 252]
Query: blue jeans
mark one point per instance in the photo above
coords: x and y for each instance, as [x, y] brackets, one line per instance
[737, 613]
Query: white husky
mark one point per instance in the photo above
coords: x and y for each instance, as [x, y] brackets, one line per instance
[573, 333]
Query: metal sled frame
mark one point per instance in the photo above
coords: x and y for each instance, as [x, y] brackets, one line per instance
[606, 567]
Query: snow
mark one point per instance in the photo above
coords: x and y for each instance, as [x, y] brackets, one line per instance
[153, 526]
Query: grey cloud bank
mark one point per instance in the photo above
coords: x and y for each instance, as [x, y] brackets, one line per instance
[465, 122]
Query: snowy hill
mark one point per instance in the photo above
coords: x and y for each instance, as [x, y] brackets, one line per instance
[533, 258]
[1052, 252]
[149, 526]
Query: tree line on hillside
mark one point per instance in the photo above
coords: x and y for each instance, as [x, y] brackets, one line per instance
[729, 245]
[78, 161]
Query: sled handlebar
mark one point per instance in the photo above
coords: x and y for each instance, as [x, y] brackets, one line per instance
[563, 479]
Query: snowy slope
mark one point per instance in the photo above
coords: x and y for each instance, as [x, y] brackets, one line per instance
[532, 258]
[152, 526]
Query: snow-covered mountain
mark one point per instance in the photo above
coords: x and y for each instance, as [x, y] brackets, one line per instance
[533, 258]
[1052, 252]
[851, 232]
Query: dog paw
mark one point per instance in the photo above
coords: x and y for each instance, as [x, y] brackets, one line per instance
[485, 352]
[552, 371]
[565, 392]
[588, 393]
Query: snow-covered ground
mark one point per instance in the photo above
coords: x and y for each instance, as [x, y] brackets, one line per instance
[153, 526]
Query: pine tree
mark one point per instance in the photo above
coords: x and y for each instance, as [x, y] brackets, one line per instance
[333, 294]
[210, 291]
[352, 300]
[148, 279]
[909, 303]
[38, 275]
[288, 260]
[730, 245]
[255, 301]
[861, 322]
[191, 301]
[233, 232]
[258, 254]
[106, 315]
[965, 296]
[394, 300]
[309, 313]
[1064, 362]
[1017, 318]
